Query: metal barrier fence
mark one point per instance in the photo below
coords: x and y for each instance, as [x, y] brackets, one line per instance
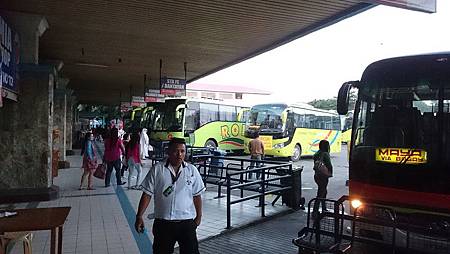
[234, 176]
[373, 226]
[160, 151]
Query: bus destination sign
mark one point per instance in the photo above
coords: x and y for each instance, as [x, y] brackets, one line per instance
[401, 155]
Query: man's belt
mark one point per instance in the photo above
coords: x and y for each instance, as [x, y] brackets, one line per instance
[173, 221]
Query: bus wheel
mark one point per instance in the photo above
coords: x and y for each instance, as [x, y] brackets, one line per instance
[211, 144]
[297, 153]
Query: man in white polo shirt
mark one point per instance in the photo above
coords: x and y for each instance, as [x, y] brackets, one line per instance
[176, 187]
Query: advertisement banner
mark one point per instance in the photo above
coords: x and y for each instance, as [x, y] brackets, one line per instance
[428, 6]
[9, 49]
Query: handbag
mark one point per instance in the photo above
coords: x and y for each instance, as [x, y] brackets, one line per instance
[100, 171]
[321, 168]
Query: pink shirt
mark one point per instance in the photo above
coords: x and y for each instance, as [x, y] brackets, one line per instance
[113, 153]
[134, 153]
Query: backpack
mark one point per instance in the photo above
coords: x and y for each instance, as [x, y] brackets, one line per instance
[320, 168]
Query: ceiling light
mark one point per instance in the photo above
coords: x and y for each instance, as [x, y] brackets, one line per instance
[92, 65]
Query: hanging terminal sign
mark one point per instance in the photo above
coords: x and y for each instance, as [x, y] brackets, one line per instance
[9, 49]
[401, 155]
[173, 86]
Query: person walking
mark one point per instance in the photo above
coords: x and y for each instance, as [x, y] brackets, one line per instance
[89, 160]
[256, 148]
[113, 150]
[176, 187]
[126, 140]
[133, 159]
[144, 143]
[321, 179]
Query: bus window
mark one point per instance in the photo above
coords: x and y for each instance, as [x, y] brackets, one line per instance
[227, 113]
[243, 114]
[336, 123]
[192, 118]
[208, 113]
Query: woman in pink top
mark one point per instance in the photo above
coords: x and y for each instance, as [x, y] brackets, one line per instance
[133, 158]
[113, 150]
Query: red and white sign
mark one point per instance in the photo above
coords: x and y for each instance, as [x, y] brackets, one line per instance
[416, 5]
[138, 104]
[154, 99]
[168, 91]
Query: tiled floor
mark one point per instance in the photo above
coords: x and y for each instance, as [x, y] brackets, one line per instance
[101, 220]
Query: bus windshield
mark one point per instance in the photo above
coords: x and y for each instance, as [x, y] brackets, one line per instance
[406, 116]
[266, 116]
[168, 116]
[405, 125]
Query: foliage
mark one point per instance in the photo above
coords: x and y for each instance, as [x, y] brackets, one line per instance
[99, 111]
[330, 104]
[327, 104]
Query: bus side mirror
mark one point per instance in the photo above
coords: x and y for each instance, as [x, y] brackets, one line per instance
[343, 97]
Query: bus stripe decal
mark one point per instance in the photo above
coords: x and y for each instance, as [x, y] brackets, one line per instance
[231, 143]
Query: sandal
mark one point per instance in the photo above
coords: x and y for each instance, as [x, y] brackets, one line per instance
[91, 188]
[80, 188]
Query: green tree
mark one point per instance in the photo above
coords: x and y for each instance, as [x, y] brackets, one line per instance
[330, 104]
[327, 104]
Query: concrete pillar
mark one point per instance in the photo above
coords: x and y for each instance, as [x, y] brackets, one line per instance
[70, 121]
[60, 121]
[27, 126]
[26, 139]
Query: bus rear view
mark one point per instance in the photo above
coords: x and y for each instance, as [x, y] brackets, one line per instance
[400, 145]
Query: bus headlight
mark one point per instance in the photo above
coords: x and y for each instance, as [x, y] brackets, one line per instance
[356, 203]
[280, 145]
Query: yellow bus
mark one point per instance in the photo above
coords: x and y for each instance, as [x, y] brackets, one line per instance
[293, 130]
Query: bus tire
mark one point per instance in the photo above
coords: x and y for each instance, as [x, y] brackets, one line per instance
[211, 144]
[297, 153]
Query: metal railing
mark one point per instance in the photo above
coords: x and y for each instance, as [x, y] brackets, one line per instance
[234, 176]
[263, 183]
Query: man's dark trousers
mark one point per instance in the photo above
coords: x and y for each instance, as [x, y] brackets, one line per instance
[167, 232]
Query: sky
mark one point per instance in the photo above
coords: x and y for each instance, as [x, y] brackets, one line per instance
[316, 65]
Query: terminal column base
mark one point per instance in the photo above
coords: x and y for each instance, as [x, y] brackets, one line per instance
[29, 195]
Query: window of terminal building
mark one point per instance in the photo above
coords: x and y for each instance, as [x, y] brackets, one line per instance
[226, 96]
[238, 96]
[208, 95]
[192, 94]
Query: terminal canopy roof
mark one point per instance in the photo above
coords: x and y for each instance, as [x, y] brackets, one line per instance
[108, 46]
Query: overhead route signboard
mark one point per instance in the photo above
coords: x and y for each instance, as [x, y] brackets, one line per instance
[173, 86]
[125, 106]
[417, 5]
[138, 101]
[154, 95]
